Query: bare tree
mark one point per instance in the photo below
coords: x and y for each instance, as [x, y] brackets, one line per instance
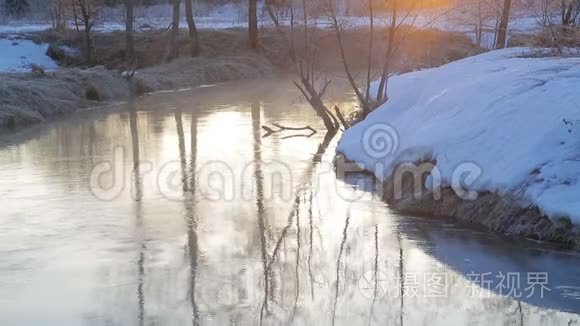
[129, 22]
[85, 14]
[570, 11]
[503, 25]
[371, 43]
[478, 17]
[399, 25]
[382, 95]
[253, 23]
[174, 39]
[193, 36]
[305, 64]
[484, 17]
[338, 29]
[543, 11]
[58, 14]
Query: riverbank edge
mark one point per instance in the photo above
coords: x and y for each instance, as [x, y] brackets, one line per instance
[501, 213]
[30, 98]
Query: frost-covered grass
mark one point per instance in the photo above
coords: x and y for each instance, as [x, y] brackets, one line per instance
[29, 98]
[501, 111]
[188, 72]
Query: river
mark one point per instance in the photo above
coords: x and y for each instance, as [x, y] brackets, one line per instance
[178, 209]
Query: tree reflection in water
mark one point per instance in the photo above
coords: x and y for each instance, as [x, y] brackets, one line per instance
[138, 196]
[188, 184]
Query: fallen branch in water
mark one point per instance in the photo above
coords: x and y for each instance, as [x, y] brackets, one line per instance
[269, 131]
[281, 128]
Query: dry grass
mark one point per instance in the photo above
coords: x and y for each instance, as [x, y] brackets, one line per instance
[422, 48]
[29, 98]
[152, 47]
[558, 36]
[419, 49]
[186, 72]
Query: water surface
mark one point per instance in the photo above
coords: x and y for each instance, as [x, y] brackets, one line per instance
[175, 210]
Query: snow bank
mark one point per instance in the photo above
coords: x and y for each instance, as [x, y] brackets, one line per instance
[498, 110]
[19, 55]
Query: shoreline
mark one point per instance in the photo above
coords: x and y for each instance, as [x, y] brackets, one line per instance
[31, 97]
[449, 137]
[502, 214]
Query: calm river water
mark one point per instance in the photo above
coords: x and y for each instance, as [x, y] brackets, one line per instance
[175, 209]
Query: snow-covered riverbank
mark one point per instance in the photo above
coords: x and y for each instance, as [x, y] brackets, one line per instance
[494, 123]
[19, 55]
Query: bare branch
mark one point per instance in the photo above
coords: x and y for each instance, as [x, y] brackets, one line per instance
[341, 117]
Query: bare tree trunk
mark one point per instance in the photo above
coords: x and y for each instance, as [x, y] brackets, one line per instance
[313, 98]
[292, 45]
[570, 11]
[174, 52]
[129, 21]
[349, 74]
[305, 66]
[565, 12]
[563, 6]
[496, 31]
[383, 85]
[370, 58]
[88, 44]
[57, 15]
[253, 24]
[479, 28]
[280, 31]
[503, 25]
[87, 19]
[193, 36]
[76, 18]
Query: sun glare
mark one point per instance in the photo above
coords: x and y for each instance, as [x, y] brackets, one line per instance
[415, 4]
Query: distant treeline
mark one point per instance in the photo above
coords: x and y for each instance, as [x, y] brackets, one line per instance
[21, 8]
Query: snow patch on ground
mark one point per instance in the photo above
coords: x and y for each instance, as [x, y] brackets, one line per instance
[503, 112]
[24, 28]
[19, 55]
